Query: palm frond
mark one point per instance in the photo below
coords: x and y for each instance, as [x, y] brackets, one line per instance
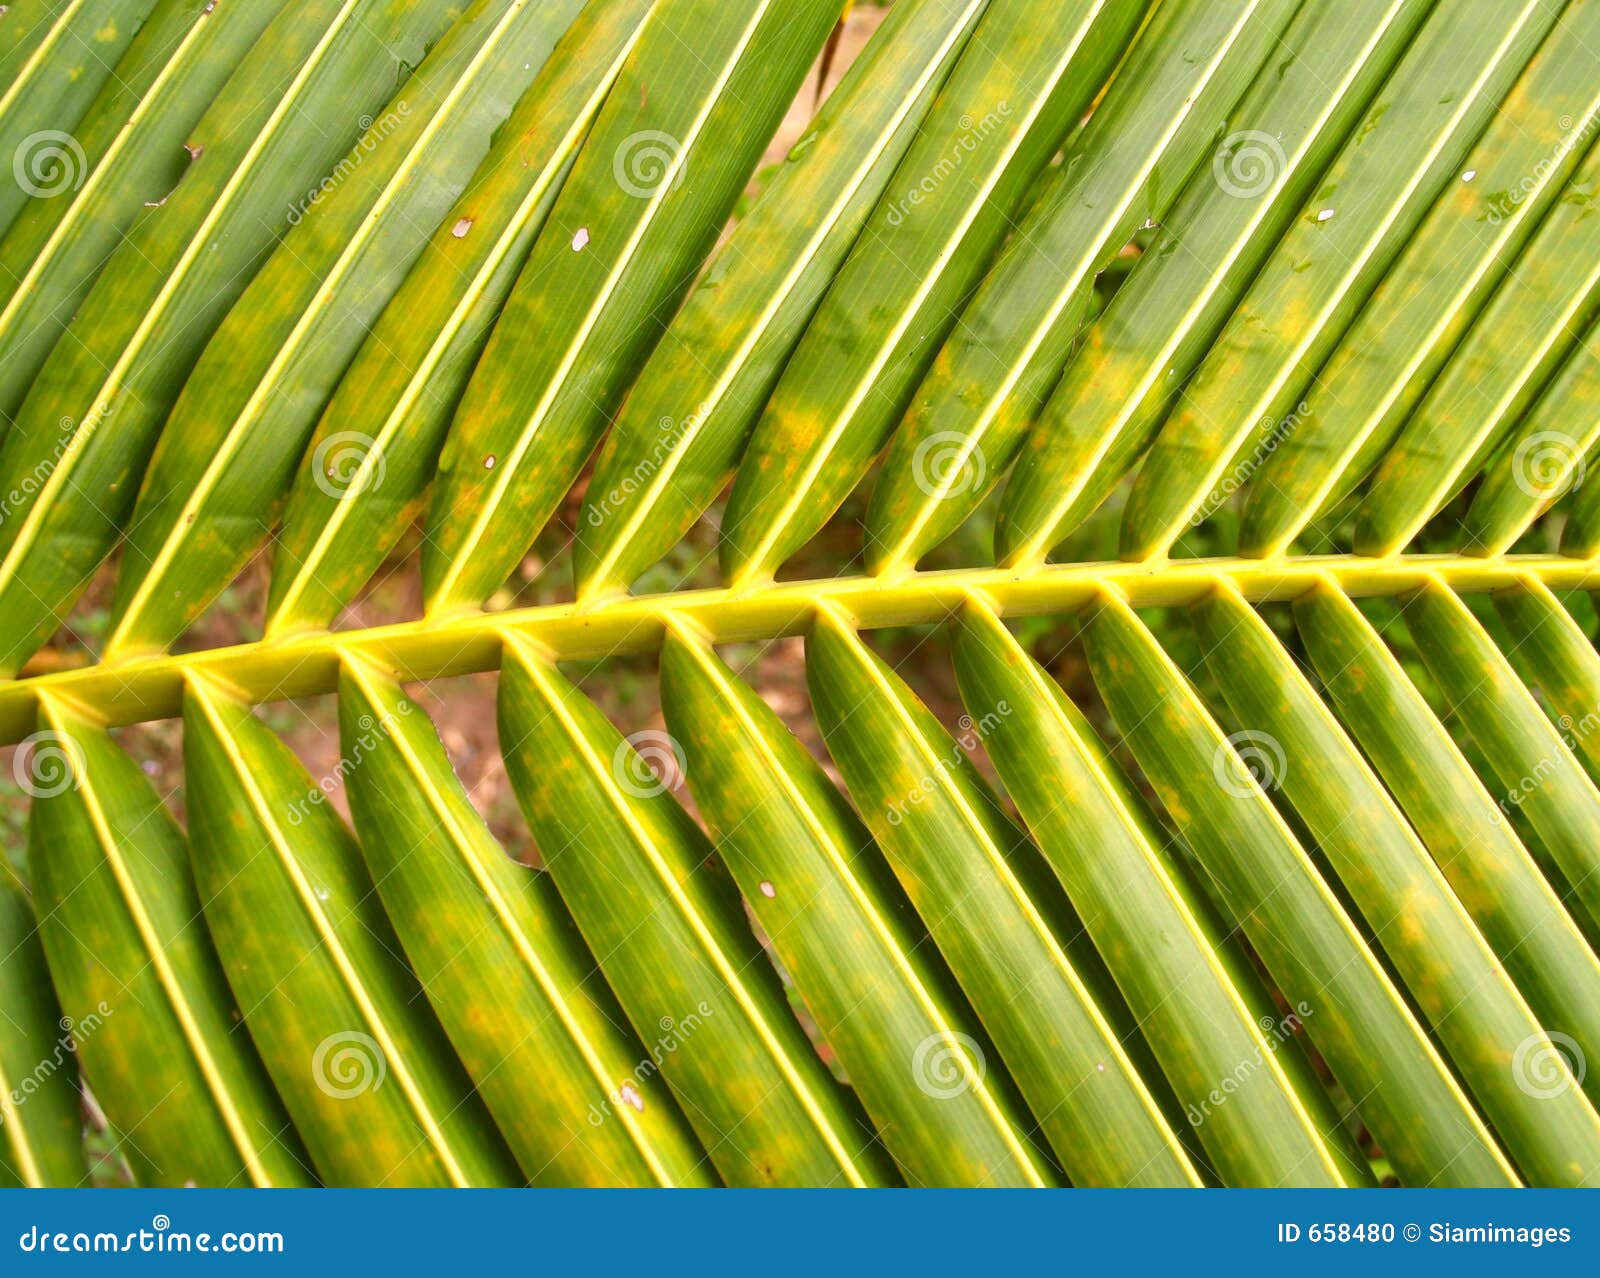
[1253, 841]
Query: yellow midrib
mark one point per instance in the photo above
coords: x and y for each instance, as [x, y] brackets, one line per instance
[148, 688]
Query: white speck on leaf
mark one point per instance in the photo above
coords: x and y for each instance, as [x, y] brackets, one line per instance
[1324, 214]
[460, 229]
[580, 241]
[767, 890]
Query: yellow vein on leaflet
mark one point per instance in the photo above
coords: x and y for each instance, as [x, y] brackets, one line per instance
[896, 559]
[1118, 604]
[41, 53]
[1158, 541]
[80, 199]
[371, 457]
[1007, 878]
[1036, 548]
[1161, 874]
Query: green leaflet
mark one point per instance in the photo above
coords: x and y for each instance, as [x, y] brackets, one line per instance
[362, 1066]
[1161, 114]
[992, 910]
[1474, 845]
[25, 26]
[84, 432]
[1023, 81]
[670, 935]
[381, 432]
[1381, 381]
[1357, 1019]
[1328, 264]
[1532, 770]
[1198, 1003]
[132, 138]
[227, 454]
[48, 87]
[1457, 981]
[1544, 458]
[1519, 339]
[647, 196]
[501, 961]
[1160, 324]
[1553, 655]
[911, 1046]
[1571, 402]
[158, 1031]
[681, 430]
[41, 1135]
